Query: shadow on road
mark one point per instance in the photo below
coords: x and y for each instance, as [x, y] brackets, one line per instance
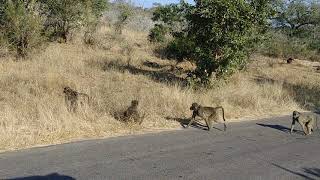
[54, 176]
[161, 76]
[185, 121]
[277, 127]
[312, 171]
[296, 173]
[280, 128]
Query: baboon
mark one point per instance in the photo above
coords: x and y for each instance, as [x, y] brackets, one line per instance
[307, 121]
[289, 60]
[207, 114]
[132, 114]
[73, 98]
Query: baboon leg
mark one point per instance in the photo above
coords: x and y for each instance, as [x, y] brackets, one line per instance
[142, 118]
[67, 103]
[141, 121]
[292, 127]
[74, 106]
[208, 123]
[305, 129]
[191, 122]
[310, 126]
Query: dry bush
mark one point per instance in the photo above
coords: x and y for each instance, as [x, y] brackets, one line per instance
[32, 110]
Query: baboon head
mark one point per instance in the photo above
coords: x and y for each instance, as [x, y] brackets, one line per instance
[134, 103]
[295, 114]
[67, 90]
[289, 61]
[194, 106]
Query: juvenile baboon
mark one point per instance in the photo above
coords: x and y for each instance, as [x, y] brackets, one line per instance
[132, 113]
[289, 60]
[73, 98]
[208, 114]
[307, 121]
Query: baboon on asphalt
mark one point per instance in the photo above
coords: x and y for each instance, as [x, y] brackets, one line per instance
[208, 114]
[73, 98]
[289, 60]
[132, 113]
[307, 122]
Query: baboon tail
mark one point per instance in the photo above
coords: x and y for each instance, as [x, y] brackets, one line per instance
[224, 119]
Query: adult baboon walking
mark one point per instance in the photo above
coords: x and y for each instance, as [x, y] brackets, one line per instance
[307, 122]
[208, 114]
[73, 98]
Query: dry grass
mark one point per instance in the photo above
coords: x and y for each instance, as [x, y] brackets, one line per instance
[32, 110]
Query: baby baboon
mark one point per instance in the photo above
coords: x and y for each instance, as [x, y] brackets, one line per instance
[132, 114]
[73, 98]
[307, 121]
[207, 114]
[289, 60]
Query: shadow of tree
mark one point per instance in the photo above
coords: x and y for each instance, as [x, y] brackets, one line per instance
[300, 93]
[53, 176]
[293, 172]
[153, 65]
[279, 127]
[161, 76]
[185, 121]
[312, 171]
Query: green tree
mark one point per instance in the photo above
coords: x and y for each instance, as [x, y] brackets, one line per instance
[126, 11]
[169, 19]
[224, 31]
[21, 25]
[62, 16]
[92, 14]
[2, 7]
[297, 17]
[217, 34]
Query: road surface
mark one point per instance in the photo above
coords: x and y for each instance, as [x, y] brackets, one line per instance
[249, 150]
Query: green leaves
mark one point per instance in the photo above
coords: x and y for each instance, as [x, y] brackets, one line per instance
[63, 16]
[25, 24]
[217, 34]
[224, 31]
[126, 12]
[296, 15]
[22, 26]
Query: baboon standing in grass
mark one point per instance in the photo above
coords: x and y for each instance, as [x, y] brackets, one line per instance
[208, 114]
[307, 122]
[73, 98]
[132, 113]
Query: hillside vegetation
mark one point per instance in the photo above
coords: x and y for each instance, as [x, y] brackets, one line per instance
[116, 68]
[32, 106]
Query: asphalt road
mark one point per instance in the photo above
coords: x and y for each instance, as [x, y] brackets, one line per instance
[250, 150]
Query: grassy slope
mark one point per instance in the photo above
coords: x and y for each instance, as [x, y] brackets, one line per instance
[32, 110]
